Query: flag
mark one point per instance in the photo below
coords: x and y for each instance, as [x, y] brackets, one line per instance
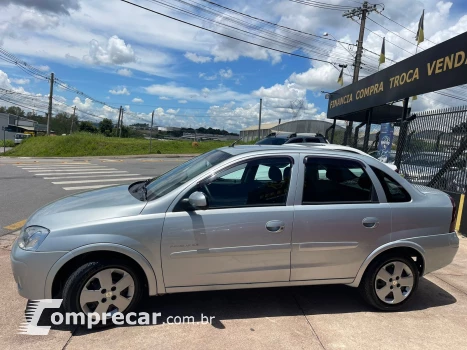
[340, 80]
[382, 56]
[420, 35]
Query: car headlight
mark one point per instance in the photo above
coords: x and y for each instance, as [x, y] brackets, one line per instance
[31, 237]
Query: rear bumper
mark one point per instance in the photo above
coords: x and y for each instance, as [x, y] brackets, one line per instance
[440, 250]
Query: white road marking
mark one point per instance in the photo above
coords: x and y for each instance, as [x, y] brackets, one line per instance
[63, 169]
[86, 187]
[55, 165]
[86, 176]
[82, 173]
[70, 170]
[103, 180]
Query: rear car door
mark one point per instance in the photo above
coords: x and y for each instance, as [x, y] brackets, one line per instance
[341, 216]
[244, 236]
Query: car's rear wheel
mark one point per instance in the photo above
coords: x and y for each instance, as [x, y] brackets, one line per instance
[389, 282]
[103, 287]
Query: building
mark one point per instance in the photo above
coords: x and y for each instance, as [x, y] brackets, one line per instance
[19, 125]
[303, 126]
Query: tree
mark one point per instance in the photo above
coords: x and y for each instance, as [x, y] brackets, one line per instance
[15, 110]
[106, 126]
[87, 126]
[461, 128]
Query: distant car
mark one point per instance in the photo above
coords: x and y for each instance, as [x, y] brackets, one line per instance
[347, 149]
[20, 137]
[239, 217]
[307, 139]
[288, 138]
[422, 167]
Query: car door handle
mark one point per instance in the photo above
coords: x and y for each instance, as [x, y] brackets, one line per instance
[370, 222]
[275, 226]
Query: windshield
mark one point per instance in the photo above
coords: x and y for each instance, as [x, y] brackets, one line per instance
[272, 141]
[183, 173]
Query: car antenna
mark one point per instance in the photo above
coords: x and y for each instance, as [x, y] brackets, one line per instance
[235, 142]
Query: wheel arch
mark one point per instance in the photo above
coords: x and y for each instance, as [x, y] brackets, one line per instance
[405, 247]
[61, 269]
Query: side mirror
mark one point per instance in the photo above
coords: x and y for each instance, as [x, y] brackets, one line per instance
[198, 200]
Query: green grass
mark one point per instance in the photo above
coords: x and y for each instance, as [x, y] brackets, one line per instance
[84, 144]
[8, 143]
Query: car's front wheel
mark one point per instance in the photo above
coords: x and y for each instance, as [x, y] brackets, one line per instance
[389, 282]
[102, 287]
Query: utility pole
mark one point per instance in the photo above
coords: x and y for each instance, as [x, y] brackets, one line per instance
[360, 12]
[118, 121]
[259, 124]
[150, 132]
[49, 114]
[72, 119]
[121, 123]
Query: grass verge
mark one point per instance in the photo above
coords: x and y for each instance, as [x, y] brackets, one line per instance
[8, 143]
[84, 144]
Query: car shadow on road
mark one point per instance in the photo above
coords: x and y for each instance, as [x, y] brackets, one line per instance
[268, 302]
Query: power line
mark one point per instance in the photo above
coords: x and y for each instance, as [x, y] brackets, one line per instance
[225, 35]
[322, 5]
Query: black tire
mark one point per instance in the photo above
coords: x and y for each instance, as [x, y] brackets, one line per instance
[367, 285]
[77, 280]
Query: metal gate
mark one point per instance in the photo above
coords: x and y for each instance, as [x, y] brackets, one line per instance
[434, 149]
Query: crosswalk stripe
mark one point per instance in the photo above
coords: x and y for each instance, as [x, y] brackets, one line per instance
[70, 170]
[86, 176]
[87, 187]
[107, 171]
[64, 169]
[103, 180]
[55, 166]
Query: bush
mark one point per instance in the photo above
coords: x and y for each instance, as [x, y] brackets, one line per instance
[8, 143]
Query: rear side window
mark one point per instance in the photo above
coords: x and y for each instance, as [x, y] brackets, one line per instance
[335, 180]
[395, 193]
[313, 140]
[296, 140]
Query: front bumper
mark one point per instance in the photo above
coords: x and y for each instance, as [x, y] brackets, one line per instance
[440, 250]
[30, 270]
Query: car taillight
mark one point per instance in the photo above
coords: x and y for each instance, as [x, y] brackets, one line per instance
[452, 227]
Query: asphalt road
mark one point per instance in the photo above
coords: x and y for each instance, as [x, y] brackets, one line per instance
[26, 184]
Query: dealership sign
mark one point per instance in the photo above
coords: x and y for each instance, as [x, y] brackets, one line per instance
[439, 67]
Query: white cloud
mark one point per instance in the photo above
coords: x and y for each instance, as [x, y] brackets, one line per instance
[5, 82]
[207, 77]
[125, 72]
[55, 6]
[43, 68]
[197, 59]
[173, 111]
[226, 74]
[122, 90]
[182, 101]
[164, 98]
[20, 81]
[115, 52]
[175, 91]
[137, 100]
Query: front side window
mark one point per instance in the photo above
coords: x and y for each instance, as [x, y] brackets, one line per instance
[176, 177]
[335, 180]
[259, 182]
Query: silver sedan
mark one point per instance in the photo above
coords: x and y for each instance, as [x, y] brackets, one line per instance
[239, 217]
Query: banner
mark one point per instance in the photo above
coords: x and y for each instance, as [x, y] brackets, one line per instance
[385, 141]
[439, 67]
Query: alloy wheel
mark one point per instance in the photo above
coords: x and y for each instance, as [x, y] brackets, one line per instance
[394, 282]
[108, 291]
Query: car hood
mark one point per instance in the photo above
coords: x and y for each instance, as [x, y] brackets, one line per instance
[107, 203]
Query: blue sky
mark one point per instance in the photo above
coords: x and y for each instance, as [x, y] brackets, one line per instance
[126, 56]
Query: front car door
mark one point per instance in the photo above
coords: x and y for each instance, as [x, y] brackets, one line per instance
[244, 236]
[341, 216]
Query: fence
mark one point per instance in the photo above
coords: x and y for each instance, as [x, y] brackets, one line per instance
[434, 149]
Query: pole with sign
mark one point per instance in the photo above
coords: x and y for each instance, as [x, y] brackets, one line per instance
[385, 141]
[3, 128]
